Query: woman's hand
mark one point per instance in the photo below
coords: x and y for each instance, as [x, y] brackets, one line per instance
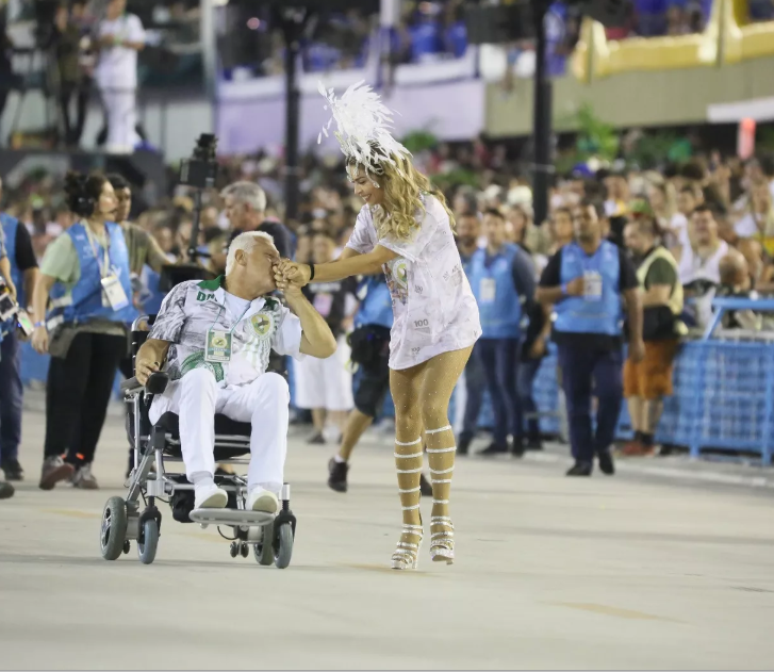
[289, 273]
[40, 340]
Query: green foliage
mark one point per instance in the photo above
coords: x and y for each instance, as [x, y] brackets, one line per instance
[419, 141]
[595, 137]
[456, 178]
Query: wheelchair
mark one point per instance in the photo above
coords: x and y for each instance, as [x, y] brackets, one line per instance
[157, 446]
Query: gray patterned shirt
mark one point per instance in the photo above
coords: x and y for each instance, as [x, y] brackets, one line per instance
[192, 308]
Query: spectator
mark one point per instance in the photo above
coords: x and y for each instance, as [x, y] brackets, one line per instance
[735, 283]
[121, 36]
[646, 383]
[325, 385]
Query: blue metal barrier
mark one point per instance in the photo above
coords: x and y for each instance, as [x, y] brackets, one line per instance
[723, 393]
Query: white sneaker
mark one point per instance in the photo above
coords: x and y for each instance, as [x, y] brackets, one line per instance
[262, 500]
[210, 497]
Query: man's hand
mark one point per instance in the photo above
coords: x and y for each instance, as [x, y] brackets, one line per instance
[144, 369]
[576, 287]
[538, 348]
[107, 40]
[636, 350]
[40, 340]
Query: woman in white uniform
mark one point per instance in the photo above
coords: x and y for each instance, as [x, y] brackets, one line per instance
[405, 228]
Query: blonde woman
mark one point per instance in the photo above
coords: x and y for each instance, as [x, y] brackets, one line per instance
[405, 229]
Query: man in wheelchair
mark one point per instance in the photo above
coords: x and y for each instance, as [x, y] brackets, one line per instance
[213, 338]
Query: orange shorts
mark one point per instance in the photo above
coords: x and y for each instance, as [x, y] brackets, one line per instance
[652, 377]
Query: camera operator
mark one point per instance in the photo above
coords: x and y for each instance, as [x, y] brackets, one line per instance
[246, 211]
[85, 273]
[24, 273]
[121, 36]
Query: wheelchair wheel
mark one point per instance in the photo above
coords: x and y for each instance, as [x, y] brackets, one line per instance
[147, 549]
[264, 550]
[112, 531]
[285, 550]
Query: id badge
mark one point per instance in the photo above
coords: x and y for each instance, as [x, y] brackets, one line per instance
[218, 346]
[323, 304]
[488, 289]
[113, 295]
[592, 286]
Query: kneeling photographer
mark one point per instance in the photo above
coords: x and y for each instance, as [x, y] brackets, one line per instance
[85, 278]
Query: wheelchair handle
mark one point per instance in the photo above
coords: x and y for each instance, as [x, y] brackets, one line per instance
[157, 383]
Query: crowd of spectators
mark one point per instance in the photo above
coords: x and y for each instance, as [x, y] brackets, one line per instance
[728, 249]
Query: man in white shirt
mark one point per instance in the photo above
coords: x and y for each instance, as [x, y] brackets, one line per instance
[215, 337]
[121, 36]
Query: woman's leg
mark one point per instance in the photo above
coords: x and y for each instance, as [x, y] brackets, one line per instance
[439, 377]
[404, 386]
[65, 396]
[106, 352]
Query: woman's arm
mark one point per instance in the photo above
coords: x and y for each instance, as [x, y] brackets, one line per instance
[358, 264]
[39, 302]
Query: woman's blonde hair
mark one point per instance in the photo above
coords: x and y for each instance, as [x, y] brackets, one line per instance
[403, 187]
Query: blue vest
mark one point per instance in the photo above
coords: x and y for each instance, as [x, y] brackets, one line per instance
[10, 225]
[499, 305]
[601, 315]
[376, 307]
[86, 296]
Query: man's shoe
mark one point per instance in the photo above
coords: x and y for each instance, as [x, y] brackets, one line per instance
[84, 479]
[55, 469]
[210, 497]
[337, 475]
[262, 500]
[580, 469]
[534, 443]
[517, 447]
[494, 449]
[13, 470]
[317, 440]
[425, 489]
[6, 490]
[606, 464]
[463, 445]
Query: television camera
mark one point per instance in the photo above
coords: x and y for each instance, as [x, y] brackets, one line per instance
[199, 172]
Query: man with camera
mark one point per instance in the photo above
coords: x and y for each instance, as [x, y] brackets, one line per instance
[246, 211]
[22, 272]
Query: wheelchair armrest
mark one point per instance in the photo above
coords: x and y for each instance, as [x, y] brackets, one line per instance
[157, 383]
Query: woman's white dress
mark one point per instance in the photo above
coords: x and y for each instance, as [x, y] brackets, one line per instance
[435, 310]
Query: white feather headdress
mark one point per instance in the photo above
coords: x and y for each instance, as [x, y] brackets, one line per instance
[364, 126]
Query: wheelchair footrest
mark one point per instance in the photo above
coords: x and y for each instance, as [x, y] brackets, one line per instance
[231, 517]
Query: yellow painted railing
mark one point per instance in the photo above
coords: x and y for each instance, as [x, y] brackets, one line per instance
[727, 38]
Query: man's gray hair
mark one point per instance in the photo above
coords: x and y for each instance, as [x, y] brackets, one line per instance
[246, 241]
[246, 192]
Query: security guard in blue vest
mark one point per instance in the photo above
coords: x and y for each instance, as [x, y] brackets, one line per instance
[85, 275]
[24, 272]
[588, 281]
[370, 342]
[503, 279]
[468, 233]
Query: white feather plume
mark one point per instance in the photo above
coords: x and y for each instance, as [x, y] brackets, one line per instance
[364, 126]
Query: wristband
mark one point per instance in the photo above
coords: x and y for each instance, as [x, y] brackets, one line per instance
[311, 272]
[564, 289]
[39, 324]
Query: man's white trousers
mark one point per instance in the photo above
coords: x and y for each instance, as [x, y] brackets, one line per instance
[196, 398]
[121, 110]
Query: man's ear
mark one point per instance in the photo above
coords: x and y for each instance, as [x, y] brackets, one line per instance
[240, 257]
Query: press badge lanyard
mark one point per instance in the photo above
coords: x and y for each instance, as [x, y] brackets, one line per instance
[113, 294]
[218, 341]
